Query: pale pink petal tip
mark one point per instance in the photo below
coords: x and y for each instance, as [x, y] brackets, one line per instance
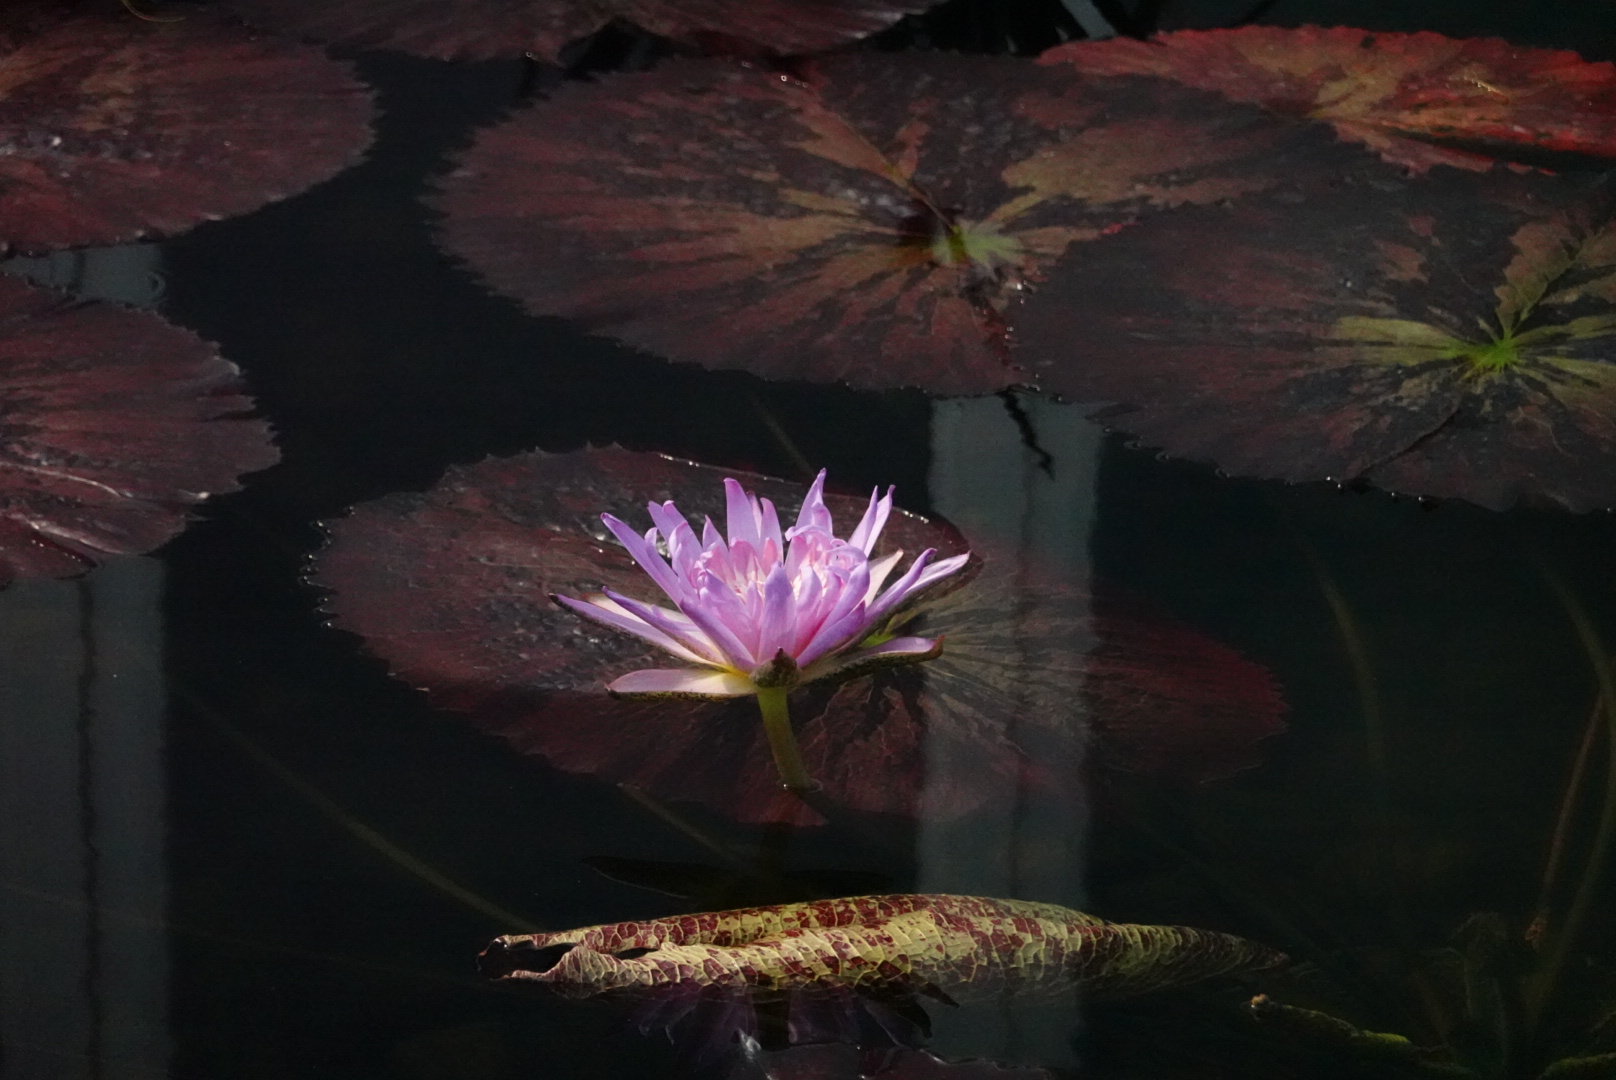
[900, 646]
[682, 683]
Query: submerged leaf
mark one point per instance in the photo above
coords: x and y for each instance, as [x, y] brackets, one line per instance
[1453, 336]
[942, 947]
[452, 587]
[116, 127]
[1330, 1032]
[1400, 94]
[482, 29]
[871, 221]
[112, 424]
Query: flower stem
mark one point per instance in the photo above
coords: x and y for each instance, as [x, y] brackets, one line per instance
[777, 725]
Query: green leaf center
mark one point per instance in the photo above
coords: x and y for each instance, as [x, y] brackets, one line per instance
[961, 243]
[1494, 357]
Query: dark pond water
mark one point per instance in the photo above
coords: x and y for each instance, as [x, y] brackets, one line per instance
[237, 848]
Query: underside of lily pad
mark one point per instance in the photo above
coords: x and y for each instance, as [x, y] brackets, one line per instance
[1450, 336]
[117, 127]
[943, 947]
[872, 219]
[113, 424]
[452, 587]
[1417, 99]
[482, 29]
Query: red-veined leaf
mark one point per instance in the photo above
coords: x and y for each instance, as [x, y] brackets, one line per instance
[482, 29]
[1451, 336]
[116, 127]
[452, 588]
[1401, 94]
[112, 424]
[871, 219]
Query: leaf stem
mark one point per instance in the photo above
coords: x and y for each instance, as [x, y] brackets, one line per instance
[1541, 993]
[782, 741]
[1568, 807]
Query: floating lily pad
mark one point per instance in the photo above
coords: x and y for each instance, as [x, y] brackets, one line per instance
[116, 127]
[452, 587]
[869, 222]
[483, 29]
[113, 424]
[1401, 94]
[941, 947]
[1452, 336]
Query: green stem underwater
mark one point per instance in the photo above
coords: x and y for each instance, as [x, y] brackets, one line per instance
[782, 741]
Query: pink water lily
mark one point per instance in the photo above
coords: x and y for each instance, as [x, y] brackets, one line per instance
[765, 610]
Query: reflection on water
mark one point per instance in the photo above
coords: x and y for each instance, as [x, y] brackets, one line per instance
[1016, 474]
[83, 878]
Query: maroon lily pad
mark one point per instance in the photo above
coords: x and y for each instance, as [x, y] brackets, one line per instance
[112, 424]
[1401, 94]
[483, 29]
[1168, 701]
[451, 587]
[117, 127]
[868, 222]
[1452, 336]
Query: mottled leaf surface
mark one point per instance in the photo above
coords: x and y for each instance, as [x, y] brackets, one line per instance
[1452, 336]
[116, 127]
[482, 29]
[1401, 94]
[870, 221]
[112, 424]
[452, 588]
[944, 947]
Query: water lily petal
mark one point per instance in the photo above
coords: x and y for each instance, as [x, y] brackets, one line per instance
[681, 683]
[879, 569]
[645, 553]
[875, 519]
[778, 618]
[771, 525]
[667, 518]
[615, 617]
[898, 651]
[683, 550]
[813, 514]
[937, 571]
[710, 612]
[844, 623]
[921, 576]
[901, 589]
[742, 514]
[710, 537]
[682, 630]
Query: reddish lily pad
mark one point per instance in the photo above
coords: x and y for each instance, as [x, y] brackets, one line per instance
[1400, 94]
[1170, 702]
[483, 29]
[112, 424]
[116, 127]
[452, 586]
[1452, 336]
[869, 222]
